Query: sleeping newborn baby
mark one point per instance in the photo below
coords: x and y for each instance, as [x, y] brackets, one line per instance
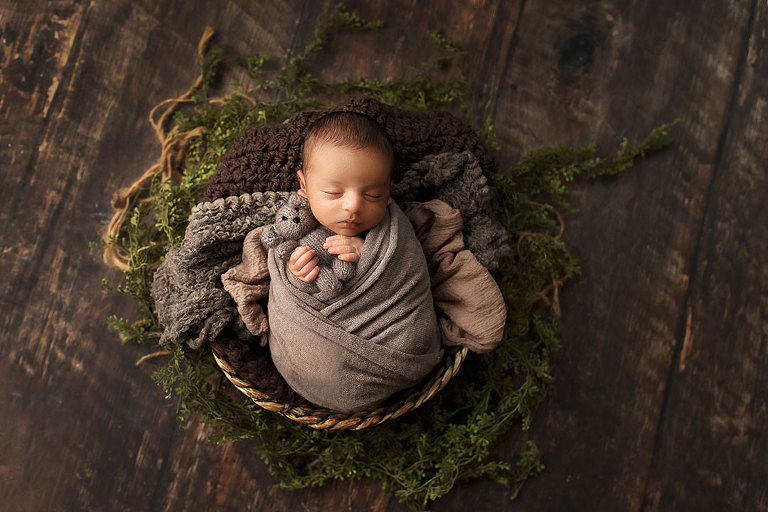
[350, 347]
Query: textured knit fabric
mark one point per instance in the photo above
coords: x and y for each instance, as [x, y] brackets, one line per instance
[248, 284]
[376, 337]
[470, 307]
[267, 157]
[458, 180]
[191, 302]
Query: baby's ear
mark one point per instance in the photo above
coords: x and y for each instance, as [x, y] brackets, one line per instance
[302, 183]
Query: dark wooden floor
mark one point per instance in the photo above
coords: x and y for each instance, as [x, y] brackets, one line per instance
[661, 398]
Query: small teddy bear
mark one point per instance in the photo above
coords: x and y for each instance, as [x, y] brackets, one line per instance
[295, 226]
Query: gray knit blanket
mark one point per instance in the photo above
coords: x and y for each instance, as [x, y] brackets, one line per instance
[378, 335]
[189, 296]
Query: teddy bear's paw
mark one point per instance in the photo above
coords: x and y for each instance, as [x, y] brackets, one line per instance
[327, 280]
[343, 269]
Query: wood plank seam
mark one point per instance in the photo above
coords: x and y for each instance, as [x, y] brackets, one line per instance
[503, 74]
[292, 48]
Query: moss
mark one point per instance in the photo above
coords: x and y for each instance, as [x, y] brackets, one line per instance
[422, 455]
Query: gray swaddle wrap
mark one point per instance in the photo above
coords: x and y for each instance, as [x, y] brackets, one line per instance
[350, 349]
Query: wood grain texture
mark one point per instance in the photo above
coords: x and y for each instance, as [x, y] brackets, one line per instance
[602, 72]
[82, 427]
[660, 402]
[713, 437]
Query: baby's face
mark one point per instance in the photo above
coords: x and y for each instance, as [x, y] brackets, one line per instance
[348, 189]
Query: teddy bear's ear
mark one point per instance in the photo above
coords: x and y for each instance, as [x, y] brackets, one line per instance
[296, 200]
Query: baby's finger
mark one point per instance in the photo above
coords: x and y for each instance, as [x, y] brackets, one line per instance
[297, 252]
[304, 258]
[341, 249]
[352, 257]
[335, 240]
[308, 268]
[312, 275]
[304, 267]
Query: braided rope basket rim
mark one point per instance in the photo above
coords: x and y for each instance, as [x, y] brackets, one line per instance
[321, 418]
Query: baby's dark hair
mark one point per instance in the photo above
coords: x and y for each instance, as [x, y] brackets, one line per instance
[347, 129]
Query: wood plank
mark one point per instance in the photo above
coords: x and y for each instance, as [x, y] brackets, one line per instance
[87, 427]
[93, 432]
[713, 441]
[602, 71]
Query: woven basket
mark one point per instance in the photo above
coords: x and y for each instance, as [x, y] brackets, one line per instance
[266, 158]
[327, 419]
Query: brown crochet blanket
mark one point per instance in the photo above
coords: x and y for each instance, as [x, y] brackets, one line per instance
[266, 158]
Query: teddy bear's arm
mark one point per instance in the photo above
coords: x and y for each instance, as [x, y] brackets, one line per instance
[326, 280]
[286, 248]
[270, 237]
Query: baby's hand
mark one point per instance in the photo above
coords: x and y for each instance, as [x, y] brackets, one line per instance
[348, 248]
[303, 264]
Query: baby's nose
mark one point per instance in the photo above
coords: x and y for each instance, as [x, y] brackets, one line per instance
[352, 202]
[296, 220]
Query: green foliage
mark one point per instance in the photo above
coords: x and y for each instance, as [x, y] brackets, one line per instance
[422, 455]
[140, 331]
[528, 465]
[421, 92]
[444, 43]
[627, 154]
[488, 134]
[294, 80]
[448, 47]
[254, 64]
[548, 170]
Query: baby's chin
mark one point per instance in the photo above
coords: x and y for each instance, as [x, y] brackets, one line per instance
[347, 231]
